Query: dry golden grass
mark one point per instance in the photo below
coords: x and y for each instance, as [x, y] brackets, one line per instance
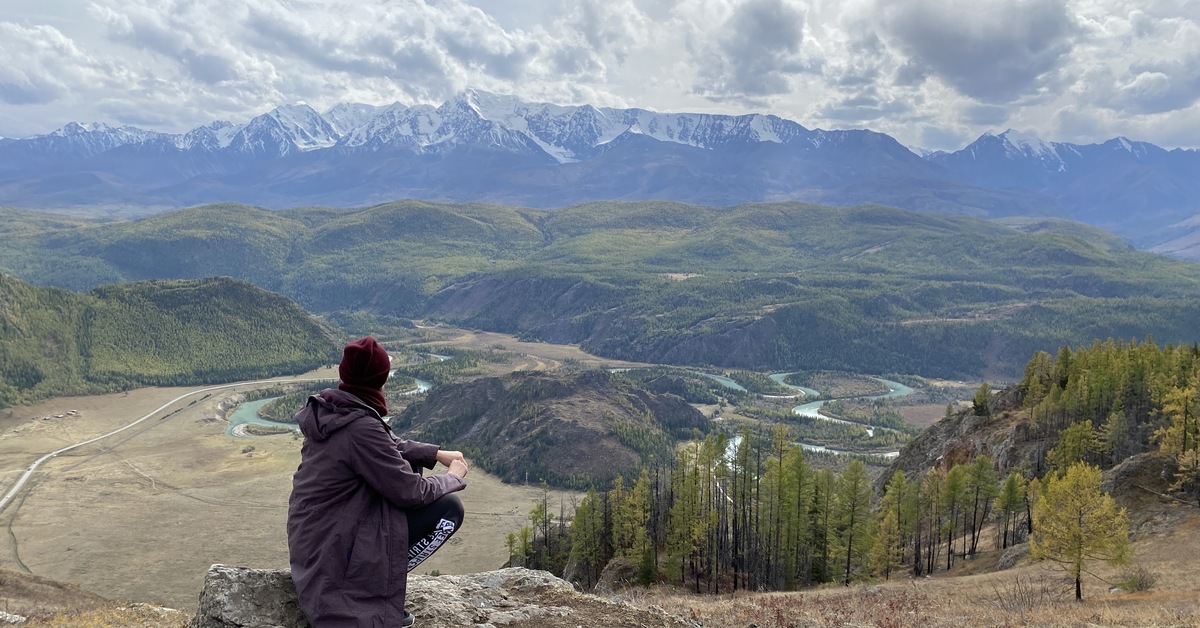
[114, 616]
[974, 594]
[896, 606]
[26, 594]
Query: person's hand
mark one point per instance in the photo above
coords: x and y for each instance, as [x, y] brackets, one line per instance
[446, 457]
[458, 467]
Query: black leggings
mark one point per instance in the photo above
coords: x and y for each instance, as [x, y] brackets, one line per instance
[431, 526]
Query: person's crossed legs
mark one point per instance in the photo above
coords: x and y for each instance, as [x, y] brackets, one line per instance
[431, 526]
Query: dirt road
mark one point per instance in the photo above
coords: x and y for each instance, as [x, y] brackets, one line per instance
[142, 515]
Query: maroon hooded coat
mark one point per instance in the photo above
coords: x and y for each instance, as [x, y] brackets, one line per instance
[347, 527]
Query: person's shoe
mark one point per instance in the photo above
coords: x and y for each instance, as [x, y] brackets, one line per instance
[408, 620]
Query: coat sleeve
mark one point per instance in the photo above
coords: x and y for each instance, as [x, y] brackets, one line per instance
[376, 458]
[420, 453]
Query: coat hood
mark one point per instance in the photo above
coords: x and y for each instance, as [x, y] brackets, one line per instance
[329, 411]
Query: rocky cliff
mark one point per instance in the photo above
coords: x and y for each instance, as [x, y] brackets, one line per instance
[1006, 436]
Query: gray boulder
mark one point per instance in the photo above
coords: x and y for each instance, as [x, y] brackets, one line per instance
[238, 597]
[248, 598]
[1012, 556]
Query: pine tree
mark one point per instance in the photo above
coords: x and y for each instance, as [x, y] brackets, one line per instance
[1114, 436]
[621, 529]
[797, 487]
[510, 542]
[539, 518]
[637, 515]
[821, 518]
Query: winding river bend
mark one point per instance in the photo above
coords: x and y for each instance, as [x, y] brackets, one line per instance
[247, 414]
[812, 410]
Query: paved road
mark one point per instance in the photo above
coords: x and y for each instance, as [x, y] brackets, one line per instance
[12, 492]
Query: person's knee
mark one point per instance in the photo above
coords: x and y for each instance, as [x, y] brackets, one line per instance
[453, 508]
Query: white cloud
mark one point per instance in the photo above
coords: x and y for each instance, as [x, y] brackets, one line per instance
[992, 50]
[753, 53]
[935, 73]
[42, 65]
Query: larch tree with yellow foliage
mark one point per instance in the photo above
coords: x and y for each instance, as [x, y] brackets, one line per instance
[1075, 523]
[1180, 438]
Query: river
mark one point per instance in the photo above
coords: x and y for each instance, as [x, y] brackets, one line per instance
[812, 409]
[247, 414]
[779, 379]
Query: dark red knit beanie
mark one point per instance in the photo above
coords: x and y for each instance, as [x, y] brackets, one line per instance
[364, 370]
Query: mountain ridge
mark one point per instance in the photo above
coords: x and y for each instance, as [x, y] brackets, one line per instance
[766, 286]
[479, 146]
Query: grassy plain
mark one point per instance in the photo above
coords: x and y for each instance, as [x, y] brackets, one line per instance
[143, 514]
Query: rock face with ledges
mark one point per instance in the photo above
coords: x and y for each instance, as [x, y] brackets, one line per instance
[239, 597]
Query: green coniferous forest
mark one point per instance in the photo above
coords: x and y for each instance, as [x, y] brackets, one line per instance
[759, 287]
[753, 513]
[56, 342]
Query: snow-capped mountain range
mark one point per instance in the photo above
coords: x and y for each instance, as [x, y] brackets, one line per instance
[486, 147]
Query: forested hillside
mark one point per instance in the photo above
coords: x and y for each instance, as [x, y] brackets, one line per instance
[565, 429]
[752, 512]
[762, 287]
[1098, 404]
[57, 342]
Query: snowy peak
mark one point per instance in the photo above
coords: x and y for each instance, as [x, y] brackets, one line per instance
[1138, 150]
[306, 127]
[347, 117]
[212, 136]
[115, 136]
[283, 131]
[85, 140]
[462, 123]
[72, 129]
[489, 106]
[394, 126]
[1022, 154]
[565, 133]
[1018, 145]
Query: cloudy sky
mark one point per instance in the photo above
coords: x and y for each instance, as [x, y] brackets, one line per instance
[932, 73]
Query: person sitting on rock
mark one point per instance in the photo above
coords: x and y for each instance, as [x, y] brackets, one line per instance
[360, 517]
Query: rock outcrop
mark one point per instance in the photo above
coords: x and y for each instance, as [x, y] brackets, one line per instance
[1006, 436]
[238, 597]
